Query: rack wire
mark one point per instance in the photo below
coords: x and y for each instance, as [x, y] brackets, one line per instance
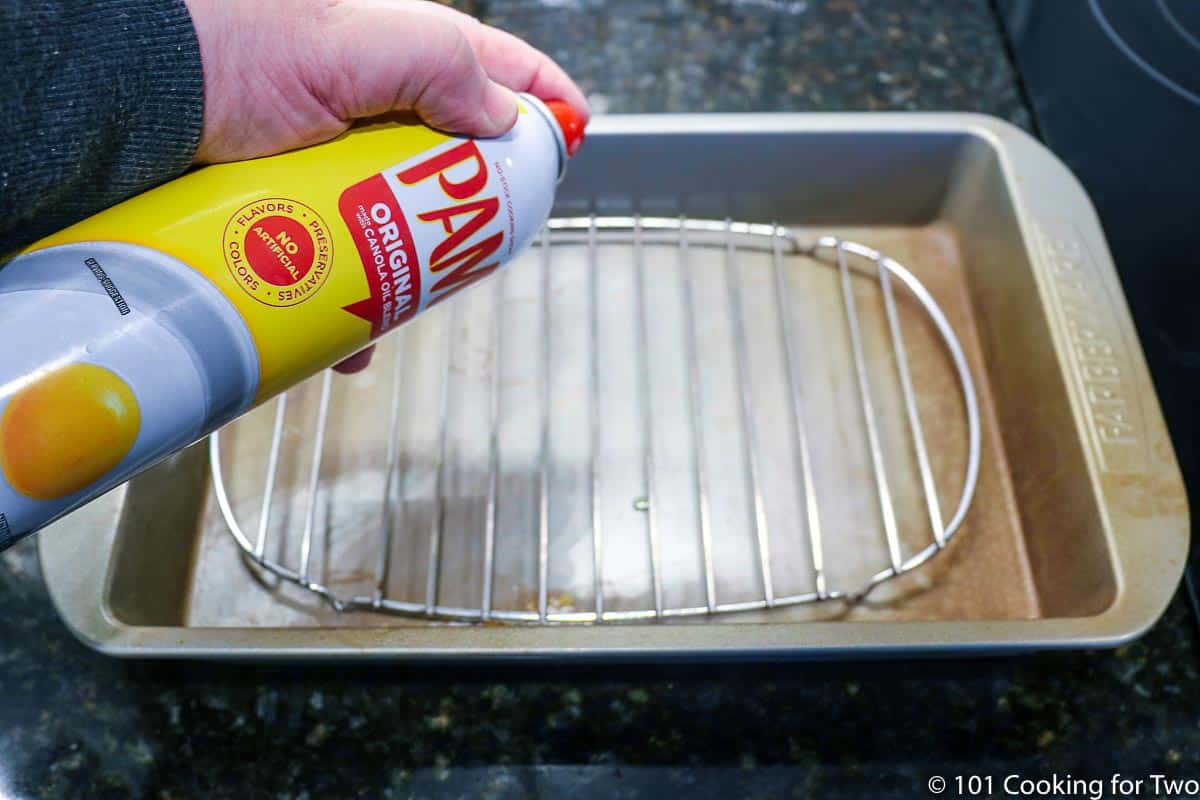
[684, 236]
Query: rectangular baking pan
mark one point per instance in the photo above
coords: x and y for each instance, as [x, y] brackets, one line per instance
[1079, 527]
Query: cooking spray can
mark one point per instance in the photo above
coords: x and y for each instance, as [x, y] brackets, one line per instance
[139, 330]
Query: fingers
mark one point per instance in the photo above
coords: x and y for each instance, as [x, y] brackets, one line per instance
[448, 67]
[395, 59]
[523, 68]
[511, 61]
[459, 96]
[355, 363]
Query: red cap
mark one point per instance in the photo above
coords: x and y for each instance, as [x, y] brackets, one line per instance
[569, 122]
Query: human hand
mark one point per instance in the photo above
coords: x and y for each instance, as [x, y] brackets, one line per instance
[283, 74]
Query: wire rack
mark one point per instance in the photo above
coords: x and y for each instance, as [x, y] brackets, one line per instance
[675, 503]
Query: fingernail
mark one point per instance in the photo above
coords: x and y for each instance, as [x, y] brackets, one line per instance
[500, 106]
[355, 363]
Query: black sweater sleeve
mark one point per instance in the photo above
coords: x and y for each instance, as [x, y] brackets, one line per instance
[99, 100]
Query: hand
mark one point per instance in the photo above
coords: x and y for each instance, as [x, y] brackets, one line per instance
[282, 74]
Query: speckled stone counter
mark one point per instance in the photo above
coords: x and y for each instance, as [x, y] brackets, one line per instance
[75, 724]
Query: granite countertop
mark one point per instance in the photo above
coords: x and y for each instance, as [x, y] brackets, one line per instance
[73, 723]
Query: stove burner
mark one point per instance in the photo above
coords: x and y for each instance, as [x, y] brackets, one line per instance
[1174, 22]
[1128, 50]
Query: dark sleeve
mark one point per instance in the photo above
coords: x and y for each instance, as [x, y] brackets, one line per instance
[99, 100]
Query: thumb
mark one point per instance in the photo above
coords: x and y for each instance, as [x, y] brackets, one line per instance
[461, 98]
[435, 74]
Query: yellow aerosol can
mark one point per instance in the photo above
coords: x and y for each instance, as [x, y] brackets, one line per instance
[139, 330]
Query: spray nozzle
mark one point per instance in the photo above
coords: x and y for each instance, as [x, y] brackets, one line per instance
[569, 122]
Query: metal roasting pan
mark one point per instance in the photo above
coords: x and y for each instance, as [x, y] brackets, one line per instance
[1076, 535]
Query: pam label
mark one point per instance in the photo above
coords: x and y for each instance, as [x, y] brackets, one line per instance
[428, 228]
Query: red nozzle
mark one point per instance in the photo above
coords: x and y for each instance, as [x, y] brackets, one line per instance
[569, 122]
